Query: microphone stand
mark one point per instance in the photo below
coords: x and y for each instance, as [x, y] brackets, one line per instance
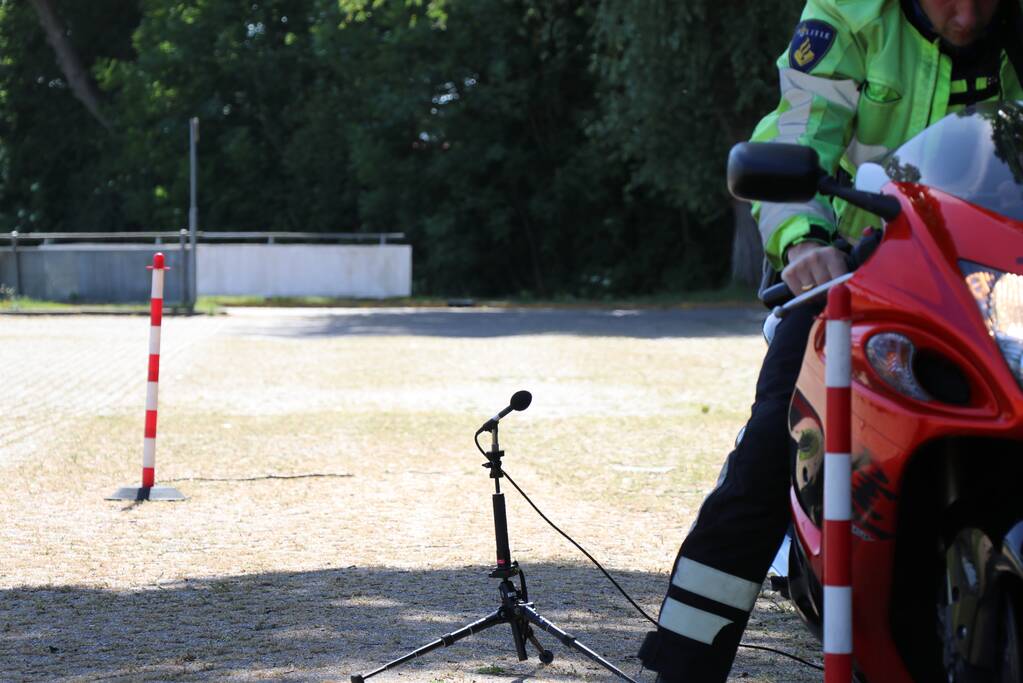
[515, 609]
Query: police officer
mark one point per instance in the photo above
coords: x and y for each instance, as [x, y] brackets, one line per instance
[858, 80]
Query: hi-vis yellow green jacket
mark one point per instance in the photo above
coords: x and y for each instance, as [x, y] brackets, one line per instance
[858, 80]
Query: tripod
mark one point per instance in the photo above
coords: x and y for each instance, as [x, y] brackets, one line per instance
[515, 609]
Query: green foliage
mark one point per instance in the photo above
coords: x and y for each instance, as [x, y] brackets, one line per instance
[681, 83]
[247, 71]
[51, 160]
[671, 69]
[477, 148]
[527, 147]
[361, 10]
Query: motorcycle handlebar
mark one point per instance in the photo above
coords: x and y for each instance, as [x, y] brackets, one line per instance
[779, 294]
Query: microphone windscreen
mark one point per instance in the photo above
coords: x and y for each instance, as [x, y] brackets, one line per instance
[520, 400]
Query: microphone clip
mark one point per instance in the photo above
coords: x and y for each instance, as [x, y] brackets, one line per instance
[488, 426]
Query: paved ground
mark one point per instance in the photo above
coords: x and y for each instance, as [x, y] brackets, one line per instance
[337, 513]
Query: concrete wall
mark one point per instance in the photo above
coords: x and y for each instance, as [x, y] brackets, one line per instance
[92, 273]
[117, 273]
[374, 272]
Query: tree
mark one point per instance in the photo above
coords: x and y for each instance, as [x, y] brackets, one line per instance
[533, 147]
[53, 148]
[472, 137]
[682, 82]
[75, 73]
[251, 73]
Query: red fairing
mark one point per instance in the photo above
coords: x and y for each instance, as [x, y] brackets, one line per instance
[912, 285]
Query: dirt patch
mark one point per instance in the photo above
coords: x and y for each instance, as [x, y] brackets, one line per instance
[338, 514]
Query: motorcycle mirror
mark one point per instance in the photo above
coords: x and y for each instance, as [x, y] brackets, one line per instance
[773, 172]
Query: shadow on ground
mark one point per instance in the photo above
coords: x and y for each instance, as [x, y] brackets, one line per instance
[485, 323]
[323, 625]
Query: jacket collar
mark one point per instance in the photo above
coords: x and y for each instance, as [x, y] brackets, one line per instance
[915, 13]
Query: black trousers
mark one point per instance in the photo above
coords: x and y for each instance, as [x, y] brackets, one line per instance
[725, 557]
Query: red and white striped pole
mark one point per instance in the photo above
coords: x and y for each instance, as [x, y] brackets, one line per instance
[148, 491]
[838, 640]
[152, 381]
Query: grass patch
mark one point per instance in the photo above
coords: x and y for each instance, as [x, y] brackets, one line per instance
[213, 304]
[22, 303]
[492, 670]
[29, 305]
[733, 295]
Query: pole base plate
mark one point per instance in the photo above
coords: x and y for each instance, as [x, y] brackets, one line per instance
[146, 493]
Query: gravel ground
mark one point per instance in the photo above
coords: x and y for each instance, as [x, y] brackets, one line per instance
[337, 513]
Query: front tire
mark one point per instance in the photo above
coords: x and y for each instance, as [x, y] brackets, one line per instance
[1010, 631]
[979, 614]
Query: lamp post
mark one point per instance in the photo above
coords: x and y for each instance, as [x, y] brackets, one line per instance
[193, 210]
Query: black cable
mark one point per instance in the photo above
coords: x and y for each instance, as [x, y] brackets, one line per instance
[581, 549]
[784, 654]
[622, 590]
[314, 475]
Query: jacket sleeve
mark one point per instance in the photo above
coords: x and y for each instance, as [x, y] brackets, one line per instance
[820, 77]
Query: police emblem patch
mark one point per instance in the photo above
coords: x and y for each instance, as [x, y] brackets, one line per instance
[812, 40]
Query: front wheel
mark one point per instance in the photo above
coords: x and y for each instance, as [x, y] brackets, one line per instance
[979, 614]
[1010, 630]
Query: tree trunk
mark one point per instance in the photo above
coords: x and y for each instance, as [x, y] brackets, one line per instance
[747, 251]
[78, 78]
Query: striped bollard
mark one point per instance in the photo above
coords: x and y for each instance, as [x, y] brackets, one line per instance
[838, 640]
[148, 491]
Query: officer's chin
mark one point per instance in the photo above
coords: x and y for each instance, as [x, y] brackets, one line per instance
[960, 39]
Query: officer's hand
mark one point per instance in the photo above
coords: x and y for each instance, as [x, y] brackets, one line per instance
[812, 264]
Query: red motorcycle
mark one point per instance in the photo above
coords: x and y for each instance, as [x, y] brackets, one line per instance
[937, 407]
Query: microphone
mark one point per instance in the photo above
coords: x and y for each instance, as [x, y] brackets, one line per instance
[520, 400]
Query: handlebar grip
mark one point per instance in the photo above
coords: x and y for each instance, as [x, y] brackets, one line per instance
[779, 294]
[776, 295]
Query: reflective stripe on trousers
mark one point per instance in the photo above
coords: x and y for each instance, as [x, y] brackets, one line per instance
[713, 584]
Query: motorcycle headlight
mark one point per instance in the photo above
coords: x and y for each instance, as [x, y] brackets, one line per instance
[891, 355]
[999, 295]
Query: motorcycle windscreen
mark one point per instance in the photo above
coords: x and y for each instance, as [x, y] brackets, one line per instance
[975, 155]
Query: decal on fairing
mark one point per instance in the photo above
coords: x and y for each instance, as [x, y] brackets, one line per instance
[873, 500]
[808, 463]
[873, 496]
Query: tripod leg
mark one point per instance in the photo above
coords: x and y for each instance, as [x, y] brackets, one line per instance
[486, 622]
[519, 635]
[546, 656]
[510, 598]
[569, 640]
